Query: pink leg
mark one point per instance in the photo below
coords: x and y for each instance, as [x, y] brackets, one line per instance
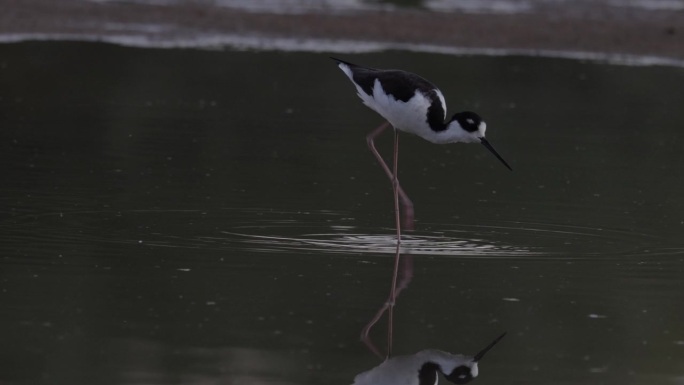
[407, 205]
[407, 272]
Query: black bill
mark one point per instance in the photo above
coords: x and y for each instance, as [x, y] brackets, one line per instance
[482, 352]
[491, 148]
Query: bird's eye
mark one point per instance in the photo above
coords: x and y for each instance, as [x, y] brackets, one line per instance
[460, 375]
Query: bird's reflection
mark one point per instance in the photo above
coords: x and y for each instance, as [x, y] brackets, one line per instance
[401, 277]
[424, 367]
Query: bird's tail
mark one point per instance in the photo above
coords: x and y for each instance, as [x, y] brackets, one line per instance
[343, 62]
[351, 65]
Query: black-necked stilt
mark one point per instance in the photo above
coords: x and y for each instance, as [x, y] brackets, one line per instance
[414, 105]
[422, 368]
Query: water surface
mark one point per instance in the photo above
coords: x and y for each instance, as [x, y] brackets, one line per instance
[184, 216]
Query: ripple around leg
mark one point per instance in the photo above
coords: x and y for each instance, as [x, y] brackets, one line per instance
[492, 239]
[265, 230]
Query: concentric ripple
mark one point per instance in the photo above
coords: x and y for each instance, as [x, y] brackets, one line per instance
[272, 231]
[381, 244]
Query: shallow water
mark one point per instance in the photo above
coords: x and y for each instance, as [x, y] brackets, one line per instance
[183, 216]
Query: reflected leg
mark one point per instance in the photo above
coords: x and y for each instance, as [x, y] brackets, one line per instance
[393, 295]
[406, 271]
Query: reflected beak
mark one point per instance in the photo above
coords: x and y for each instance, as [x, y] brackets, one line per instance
[491, 148]
[482, 352]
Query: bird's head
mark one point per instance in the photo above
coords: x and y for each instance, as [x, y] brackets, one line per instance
[470, 128]
[456, 368]
[463, 373]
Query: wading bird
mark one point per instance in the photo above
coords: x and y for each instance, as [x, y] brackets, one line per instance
[411, 104]
[423, 367]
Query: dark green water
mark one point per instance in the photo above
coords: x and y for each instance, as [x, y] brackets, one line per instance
[181, 216]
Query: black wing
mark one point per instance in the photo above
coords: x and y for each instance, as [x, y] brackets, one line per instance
[402, 86]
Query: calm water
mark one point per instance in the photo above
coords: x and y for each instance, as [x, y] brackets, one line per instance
[181, 216]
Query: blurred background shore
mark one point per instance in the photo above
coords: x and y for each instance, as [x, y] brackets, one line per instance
[652, 28]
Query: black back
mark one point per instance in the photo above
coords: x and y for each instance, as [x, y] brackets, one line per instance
[402, 86]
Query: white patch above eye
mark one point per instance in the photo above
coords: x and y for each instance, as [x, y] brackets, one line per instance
[470, 121]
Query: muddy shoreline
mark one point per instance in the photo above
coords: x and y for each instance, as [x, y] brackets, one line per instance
[578, 28]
